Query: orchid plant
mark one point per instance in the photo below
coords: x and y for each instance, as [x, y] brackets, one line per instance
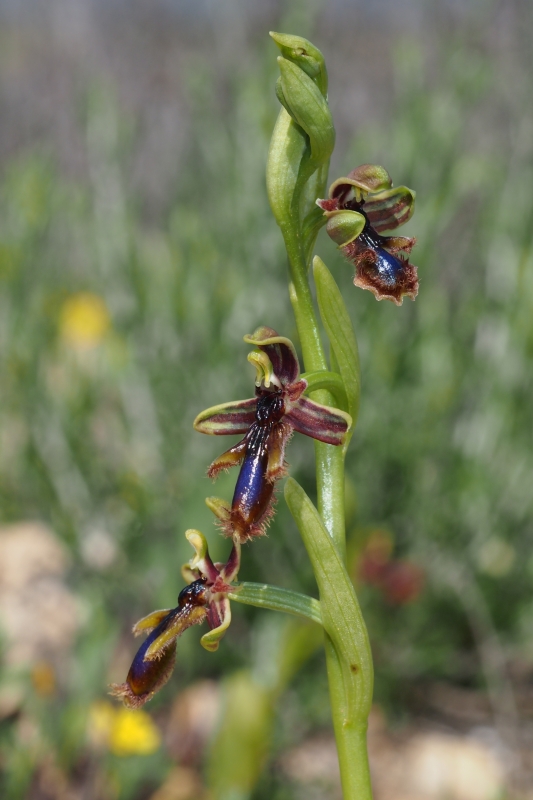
[321, 403]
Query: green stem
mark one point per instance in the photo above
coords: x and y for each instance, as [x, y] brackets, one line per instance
[350, 677]
[350, 735]
[330, 492]
[302, 304]
[348, 656]
[350, 729]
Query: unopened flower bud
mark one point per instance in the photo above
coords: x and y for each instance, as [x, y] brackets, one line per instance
[305, 55]
[309, 109]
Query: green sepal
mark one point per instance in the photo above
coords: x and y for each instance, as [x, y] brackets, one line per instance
[344, 226]
[341, 614]
[199, 543]
[281, 96]
[263, 595]
[211, 639]
[201, 561]
[309, 109]
[361, 180]
[340, 334]
[280, 352]
[220, 508]
[305, 55]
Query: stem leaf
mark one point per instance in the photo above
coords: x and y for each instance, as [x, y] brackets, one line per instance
[341, 613]
[276, 599]
[340, 333]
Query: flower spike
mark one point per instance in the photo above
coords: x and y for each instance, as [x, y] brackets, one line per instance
[278, 408]
[358, 209]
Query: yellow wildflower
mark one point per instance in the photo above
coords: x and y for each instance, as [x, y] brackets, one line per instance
[84, 320]
[133, 733]
[123, 732]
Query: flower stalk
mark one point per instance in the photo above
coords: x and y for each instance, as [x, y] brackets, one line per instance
[322, 403]
[293, 154]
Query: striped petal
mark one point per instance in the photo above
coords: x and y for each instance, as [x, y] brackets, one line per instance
[390, 209]
[328, 425]
[228, 418]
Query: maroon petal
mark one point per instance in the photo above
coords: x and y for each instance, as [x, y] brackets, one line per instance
[328, 425]
[227, 418]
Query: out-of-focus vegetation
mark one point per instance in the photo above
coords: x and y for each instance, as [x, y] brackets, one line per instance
[122, 312]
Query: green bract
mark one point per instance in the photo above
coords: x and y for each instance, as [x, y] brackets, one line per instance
[309, 109]
[305, 55]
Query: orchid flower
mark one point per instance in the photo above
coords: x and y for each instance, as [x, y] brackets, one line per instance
[267, 421]
[361, 206]
[205, 598]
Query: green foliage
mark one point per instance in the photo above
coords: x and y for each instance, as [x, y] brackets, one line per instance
[341, 614]
[340, 334]
[99, 439]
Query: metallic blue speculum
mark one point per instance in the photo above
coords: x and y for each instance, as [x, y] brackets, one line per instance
[143, 675]
[253, 490]
[388, 267]
[250, 486]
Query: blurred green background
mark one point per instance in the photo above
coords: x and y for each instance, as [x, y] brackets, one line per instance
[136, 249]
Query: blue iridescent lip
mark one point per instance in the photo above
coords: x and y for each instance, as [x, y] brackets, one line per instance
[144, 676]
[388, 266]
[253, 490]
